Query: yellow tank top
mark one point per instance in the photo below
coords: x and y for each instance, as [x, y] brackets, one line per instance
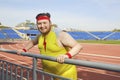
[54, 50]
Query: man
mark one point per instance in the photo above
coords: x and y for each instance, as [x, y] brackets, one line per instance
[60, 45]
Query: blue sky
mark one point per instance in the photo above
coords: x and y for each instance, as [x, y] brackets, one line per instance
[88, 15]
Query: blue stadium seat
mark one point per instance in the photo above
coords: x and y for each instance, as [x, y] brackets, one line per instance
[101, 34]
[30, 31]
[78, 35]
[115, 36]
[81, 36]
[2, 36]
[11, 34]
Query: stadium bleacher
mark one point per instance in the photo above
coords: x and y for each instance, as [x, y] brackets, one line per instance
[31, 33]
[9, 34]
[115, 36]
[78, 35]
[2, 36]
[81, 35]
[101, 34]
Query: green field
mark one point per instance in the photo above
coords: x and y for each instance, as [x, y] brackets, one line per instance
[100, 41]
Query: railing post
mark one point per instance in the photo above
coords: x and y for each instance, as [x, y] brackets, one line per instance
[6, 71]
[34, 68]
[3, 70]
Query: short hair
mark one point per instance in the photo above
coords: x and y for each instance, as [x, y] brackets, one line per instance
[43, 14]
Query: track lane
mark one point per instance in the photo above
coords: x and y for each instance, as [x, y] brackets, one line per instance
[86, 54]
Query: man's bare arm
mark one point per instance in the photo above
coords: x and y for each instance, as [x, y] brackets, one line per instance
[31, 43]
[68, 41]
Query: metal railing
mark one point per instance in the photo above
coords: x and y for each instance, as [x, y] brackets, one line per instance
[12, 71]
[5, 66]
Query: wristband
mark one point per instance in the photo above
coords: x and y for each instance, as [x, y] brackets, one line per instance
[24, 50]
[69, 55]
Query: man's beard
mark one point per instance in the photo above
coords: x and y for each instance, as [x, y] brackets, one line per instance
[46, 32]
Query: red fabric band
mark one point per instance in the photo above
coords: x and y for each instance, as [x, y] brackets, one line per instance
[69, 55]
[43, 17]
[44, 43]
[24, 50]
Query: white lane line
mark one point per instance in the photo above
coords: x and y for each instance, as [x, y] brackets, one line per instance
[89, 54]
[99, 55]
[12, 47]
[94, 71]
[79, 79]
[0, 46]
[33, 50]
[19, 45]
[100, 44]
[13, 59]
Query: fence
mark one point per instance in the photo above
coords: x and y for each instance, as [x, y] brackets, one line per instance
[11, 71]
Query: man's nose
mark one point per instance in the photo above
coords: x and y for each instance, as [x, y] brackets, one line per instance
[42, 25]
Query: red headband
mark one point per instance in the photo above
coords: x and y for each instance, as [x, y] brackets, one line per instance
[43, 17]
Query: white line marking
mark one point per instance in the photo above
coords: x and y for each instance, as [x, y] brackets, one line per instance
[88, 54]
[99, 55]
[0, 46]
[79, 79]
[14, 59]
[11, 47]
[98, 72]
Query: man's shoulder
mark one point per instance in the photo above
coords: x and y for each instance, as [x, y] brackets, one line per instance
[59, 31]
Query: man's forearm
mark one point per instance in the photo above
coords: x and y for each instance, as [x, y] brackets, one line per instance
[75, 50]
[28, 46]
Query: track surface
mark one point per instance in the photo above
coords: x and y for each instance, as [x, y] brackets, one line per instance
[107, 53]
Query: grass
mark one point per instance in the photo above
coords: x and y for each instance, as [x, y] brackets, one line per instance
[100, 41]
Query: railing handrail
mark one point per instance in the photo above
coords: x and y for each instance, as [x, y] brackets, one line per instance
[97, 65]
